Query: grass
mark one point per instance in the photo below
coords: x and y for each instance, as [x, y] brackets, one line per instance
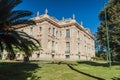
[56, 70]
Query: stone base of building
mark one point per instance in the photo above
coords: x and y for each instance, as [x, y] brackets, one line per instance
[56, 57]
[49, 56]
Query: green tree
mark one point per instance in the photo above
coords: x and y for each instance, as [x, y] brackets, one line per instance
[9, 38]
[113, 19]
[99, 50]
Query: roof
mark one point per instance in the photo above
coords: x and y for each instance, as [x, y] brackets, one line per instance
[62, 23]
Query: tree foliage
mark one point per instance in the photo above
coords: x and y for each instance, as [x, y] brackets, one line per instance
[113, 20]
[9, 38]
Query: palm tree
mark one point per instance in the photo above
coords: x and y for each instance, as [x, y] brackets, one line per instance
[9, 38]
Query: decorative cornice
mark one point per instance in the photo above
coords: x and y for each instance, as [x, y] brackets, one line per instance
[59, 24]
[47, 18]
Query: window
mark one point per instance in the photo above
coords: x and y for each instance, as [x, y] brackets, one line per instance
[67, 56]
[38, 55]
[85, 47]
[53, 32]
[78, 47]
[67, 33]
[56, 33]
[85, 38]
[31, 31]
[53, 56]
[40, 28]
[67, 47]
[49, 30]
[78, 34]
[53, 46]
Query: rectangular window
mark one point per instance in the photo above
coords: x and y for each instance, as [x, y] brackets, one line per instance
[53, 46]
[79, 48]
[49, 30]
[67, 47]
[53, 56]
[85, 48]
[67, 56]
[78, 34]
[85, 38]
[31, 31]
[67, 33]
[56, 33]
[53, 32]
[38, 55]
[40, 28]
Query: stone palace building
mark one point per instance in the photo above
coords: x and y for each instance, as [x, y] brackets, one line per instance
[64, 39]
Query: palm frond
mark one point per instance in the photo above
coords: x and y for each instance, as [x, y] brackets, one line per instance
[6, 6]
[15, 15]
[9, 38]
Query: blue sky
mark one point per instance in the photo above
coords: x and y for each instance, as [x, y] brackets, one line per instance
[85, 10]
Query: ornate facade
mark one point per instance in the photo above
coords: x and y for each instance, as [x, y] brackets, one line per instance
[61, 40]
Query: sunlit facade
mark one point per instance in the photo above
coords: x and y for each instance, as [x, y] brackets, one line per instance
[64, 39]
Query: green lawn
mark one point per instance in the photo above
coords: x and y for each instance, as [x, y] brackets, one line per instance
[83, 70]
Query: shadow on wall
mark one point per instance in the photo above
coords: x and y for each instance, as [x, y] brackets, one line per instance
[18, 71]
